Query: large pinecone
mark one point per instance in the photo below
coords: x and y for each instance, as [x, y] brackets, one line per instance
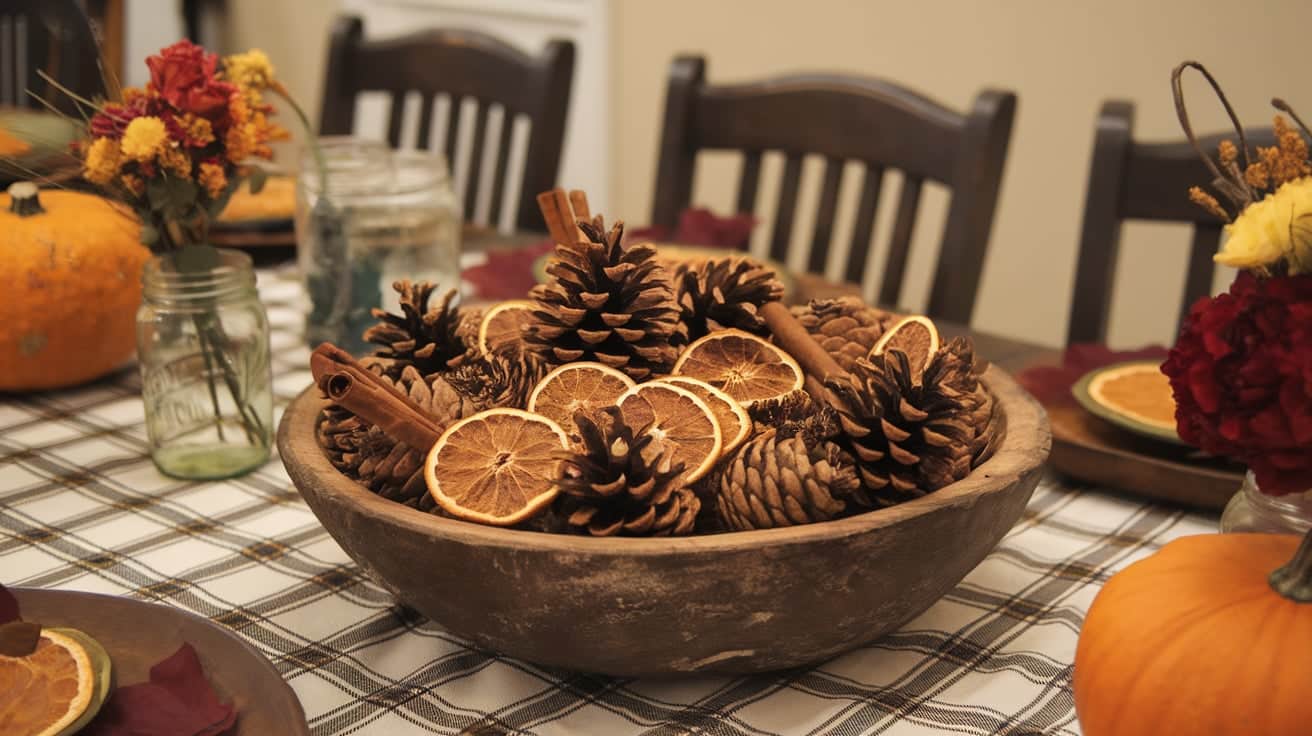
[423, 335]
[607, 303]
[846, 327]
[724, 293]
[389, 468]
[787, 475]
[617, 484]
[910, 438]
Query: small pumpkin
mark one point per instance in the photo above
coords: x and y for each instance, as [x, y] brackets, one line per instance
[70, 284]
[1201, 638]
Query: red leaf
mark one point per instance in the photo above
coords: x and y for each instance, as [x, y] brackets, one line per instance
[8, 607]
[178, 701]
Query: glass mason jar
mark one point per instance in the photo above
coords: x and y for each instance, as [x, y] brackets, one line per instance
[1250, 510]
[368, 218]
[203, 350]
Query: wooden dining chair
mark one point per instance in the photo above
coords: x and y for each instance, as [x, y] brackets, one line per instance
[844, 118]
[460, 65]
[51, 36]
[1130, 180]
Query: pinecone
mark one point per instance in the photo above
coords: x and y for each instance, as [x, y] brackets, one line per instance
[846, 327]
[617, 484]
[605, 302]
[787, 475]
[497, 380]
[389, 468]
[722, 294]
[908, 438]
[423, 336]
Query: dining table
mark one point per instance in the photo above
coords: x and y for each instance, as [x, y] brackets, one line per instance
[83, 508]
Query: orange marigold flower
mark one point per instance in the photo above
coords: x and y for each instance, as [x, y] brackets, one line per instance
[175, 161]
[239, 110]
[134, 184]
[213, 179]
[241, 142]
[199, 131]
[102, 161]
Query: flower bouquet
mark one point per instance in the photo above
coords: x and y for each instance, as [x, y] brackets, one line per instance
[1241, 368]
[174, 152]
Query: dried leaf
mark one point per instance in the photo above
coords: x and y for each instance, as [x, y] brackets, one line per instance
[177, 701]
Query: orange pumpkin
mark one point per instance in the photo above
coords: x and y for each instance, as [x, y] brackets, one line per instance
[70, 283]
[1201, 638]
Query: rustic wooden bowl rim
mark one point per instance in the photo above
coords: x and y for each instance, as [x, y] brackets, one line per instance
[1015, 456]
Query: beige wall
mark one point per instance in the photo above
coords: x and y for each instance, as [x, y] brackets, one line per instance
[1062, 58]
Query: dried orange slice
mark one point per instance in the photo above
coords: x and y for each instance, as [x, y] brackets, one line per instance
[577, 387]
[501, 325]
[496, 467]
[735, 424]
[682, 424]
[915, 336]
[742, 365]
[56, 689]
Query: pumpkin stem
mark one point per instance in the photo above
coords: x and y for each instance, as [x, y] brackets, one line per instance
[1294, 580]
[23, 199]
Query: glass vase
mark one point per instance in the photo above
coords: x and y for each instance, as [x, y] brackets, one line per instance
[203, 350]
[367, 216]
[1250, 510]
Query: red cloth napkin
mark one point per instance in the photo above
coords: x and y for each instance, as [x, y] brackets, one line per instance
[1051, 384]
[508, 274]
[699, 226]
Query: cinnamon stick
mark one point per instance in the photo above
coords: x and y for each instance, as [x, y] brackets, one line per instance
[369, 396]
[578, 200]
[790, 335]
[559, 224]
[567, 211]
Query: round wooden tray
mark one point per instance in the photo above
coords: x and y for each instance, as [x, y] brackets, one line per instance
[732, 603]
[1090, 449]
[137, 635]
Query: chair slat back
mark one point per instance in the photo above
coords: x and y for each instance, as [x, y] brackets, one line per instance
[460, 66]
[842, 119]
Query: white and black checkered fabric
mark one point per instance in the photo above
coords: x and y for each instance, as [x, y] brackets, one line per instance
[82, 508]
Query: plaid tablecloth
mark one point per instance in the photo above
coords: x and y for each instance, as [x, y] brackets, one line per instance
[82, 508]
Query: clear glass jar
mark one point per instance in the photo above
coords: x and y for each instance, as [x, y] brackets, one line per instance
[370, 217]
[206, 380]
[1250, 510]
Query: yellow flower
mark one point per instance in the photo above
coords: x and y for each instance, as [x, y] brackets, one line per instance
[1279, 226]
[213, 179]
[102, 161]
[144, 138]
[175, 161]
[251, 69]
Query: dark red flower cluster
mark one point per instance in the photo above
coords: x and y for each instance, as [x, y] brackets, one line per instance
[1241, 372]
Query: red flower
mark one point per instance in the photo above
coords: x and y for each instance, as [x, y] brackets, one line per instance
[1241, 372]
[183, 74]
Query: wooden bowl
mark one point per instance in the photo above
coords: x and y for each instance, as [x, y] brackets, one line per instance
[726, 603]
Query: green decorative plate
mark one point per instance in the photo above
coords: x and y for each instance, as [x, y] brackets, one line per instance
[1134, 396]
[677, 252]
